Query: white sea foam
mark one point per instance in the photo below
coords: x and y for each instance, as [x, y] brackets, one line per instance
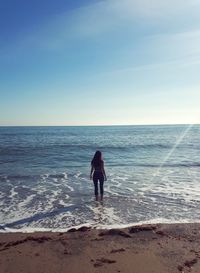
[13, 193]
[69, 187]
[104, 214]
[61, 202]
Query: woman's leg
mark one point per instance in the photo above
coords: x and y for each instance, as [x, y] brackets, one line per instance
[95, 180]
[101, 180]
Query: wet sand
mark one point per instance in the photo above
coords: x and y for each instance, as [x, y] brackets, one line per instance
[160, 248]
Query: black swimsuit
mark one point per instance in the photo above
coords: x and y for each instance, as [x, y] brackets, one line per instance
[98, 176]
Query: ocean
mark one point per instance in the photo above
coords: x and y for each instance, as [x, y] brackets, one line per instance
[153, 175]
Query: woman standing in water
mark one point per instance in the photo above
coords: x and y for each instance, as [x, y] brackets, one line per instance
[98, 173]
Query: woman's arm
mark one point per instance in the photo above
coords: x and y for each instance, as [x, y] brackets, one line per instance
[103, 170]
[91, 172]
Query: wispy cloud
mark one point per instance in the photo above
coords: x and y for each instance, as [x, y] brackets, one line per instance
[152, 8]
[171, 51]
[113, 16]
[106, 15]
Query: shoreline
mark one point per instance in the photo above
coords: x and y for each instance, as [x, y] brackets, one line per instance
[4, 229]
[152, 248]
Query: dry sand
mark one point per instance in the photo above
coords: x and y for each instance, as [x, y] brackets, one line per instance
[144, 249]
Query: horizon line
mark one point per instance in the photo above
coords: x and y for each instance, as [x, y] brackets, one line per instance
[103, 125]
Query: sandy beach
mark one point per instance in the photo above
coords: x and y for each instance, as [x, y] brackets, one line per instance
[161, 248]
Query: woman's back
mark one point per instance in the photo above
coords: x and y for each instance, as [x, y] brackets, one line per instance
[97, 165]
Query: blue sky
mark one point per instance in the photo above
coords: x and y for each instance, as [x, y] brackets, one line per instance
[99, 62]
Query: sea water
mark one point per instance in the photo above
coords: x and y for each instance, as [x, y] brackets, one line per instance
[153, 175]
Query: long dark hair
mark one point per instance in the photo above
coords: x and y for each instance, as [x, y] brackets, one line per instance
[97, 159]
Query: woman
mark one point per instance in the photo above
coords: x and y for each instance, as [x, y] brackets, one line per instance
[98, 173]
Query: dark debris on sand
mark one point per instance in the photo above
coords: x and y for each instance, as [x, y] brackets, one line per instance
[136, 229]
[100, 262]
[115, 232]
[82, 229]
[40, 240]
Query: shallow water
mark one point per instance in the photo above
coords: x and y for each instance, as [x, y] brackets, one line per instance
[153, 175]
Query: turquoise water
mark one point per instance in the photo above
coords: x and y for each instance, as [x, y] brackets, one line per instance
[153, 176]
